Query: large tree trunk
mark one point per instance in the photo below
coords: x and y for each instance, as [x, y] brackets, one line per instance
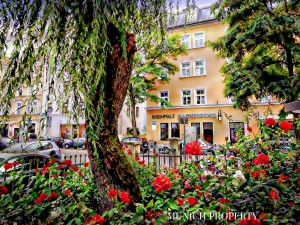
[132, 108]
[109, 163]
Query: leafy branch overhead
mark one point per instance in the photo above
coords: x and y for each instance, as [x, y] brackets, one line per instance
[153, 64]
[263, 49]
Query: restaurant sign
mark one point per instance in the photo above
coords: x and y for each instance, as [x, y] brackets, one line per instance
[198, 115]
[168, 116]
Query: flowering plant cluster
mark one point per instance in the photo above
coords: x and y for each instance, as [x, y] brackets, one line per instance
[262, 182]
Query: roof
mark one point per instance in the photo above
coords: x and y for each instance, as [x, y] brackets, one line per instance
[195, 15]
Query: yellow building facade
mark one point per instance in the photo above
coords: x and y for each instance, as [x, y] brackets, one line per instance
[196, 91]
[12, 126]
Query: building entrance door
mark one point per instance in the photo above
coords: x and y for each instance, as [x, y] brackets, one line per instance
[208, 132]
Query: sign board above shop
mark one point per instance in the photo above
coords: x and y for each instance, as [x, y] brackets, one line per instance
[197, 115]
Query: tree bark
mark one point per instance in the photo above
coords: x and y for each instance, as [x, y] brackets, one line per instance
[109, 163]
[132, 108]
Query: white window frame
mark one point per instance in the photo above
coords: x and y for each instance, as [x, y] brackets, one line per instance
[203, 40]
[35, 107]
[200, 95]
[188, 45]
[182, 96]
[18, 108]
[28, 107]
[168, 97]
[181, 68]
[196, 67]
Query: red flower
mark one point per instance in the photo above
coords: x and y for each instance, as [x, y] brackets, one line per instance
[298, 169]
[112, 193]
[262, 159]
[270, 122]
[53, 195]
[3, 190]
[298, 182]
[198, 187]
[67, 192]
[41, 197]
[223, 200]
[192, 201]
[142, 162]
[193, 148]
[96, 219]
[8, 166]
[230, 217]
[255, 174]
[274, 194]
[282, 177]
[249, 129]
[137, 158]
[248, 164]
[54, 176]
[129, 152]
[262, 216]
[67, 162]
[15, 163]
[86, 164]
[161, 182]
[291, 204]
[75, 168]
[80, 174]
[250, 220]
[124, 197]
[180, 201]
[200, 194]
[286, 126]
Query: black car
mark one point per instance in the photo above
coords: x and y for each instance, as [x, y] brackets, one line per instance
[144, 145]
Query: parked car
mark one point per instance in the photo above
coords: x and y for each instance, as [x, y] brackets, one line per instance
[58, 140]
[3, 145]
[75, 143]
[144, 146]
[31, 137]
[26, 163]
[42, 147]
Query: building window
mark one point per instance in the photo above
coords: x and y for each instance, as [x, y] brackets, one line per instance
[18, 107]
[164, 95]
[175, 130]
[197, 125]
[128, 111]
[185, 40]
[186, 97]
[35, 107]
[199, 40]
[235, 129]
[164, 131]
[28, 107]
[185, 69]
[200, 96]
[200, 67]
[137, 112]
[19, 91]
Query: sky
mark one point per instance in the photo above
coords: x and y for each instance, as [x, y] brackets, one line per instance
[199, 3]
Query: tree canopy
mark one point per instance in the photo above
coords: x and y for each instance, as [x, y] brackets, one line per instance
[84, 51]
[262, 45]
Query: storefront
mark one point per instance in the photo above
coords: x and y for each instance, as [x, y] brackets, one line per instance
[211, 124]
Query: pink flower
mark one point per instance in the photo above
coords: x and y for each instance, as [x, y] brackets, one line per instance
[187, 185]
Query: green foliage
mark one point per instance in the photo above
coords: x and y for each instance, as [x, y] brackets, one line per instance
[262, 45]
[155, 63]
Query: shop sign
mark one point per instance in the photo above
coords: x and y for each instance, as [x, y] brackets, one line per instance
[169, 116]
[197, 115]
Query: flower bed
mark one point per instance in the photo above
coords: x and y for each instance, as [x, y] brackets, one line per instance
[266, 191]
